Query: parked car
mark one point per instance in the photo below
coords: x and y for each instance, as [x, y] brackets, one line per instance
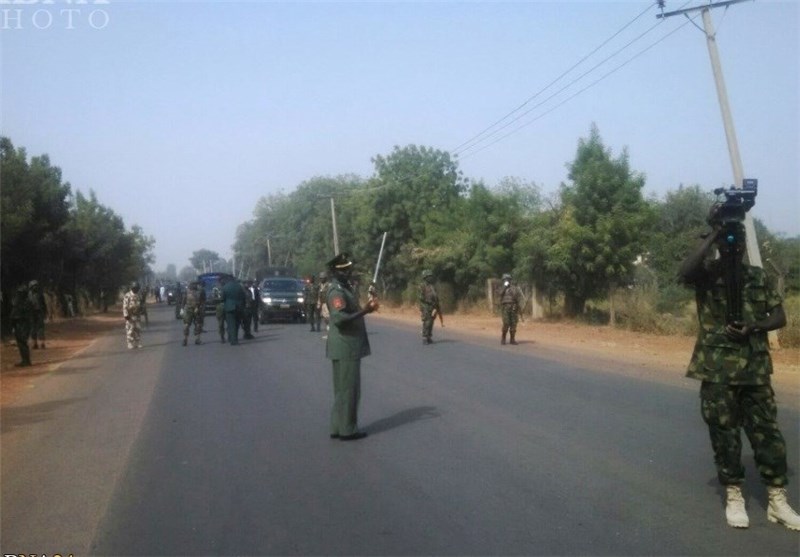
[209, 281]
[281, 298]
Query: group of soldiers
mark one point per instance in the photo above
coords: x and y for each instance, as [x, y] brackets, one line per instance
[28, 314]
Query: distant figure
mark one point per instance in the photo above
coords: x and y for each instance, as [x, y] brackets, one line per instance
[70, 305]
[38, 313]
[162, 294]
[233, 299]
[132, 312]
[311, 297]
[21, 320]
[428, 306]
[194, 305]
[510, 299]
[322, 301]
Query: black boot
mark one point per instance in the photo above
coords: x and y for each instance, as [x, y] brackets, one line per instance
[513, 334]
[503, 338]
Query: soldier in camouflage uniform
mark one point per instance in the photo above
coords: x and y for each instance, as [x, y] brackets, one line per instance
[38, 313]
[732, 360]
[428, 305]
[510, 299]
[21, 321]
[311, 297]
[194, 308]
[132, 312]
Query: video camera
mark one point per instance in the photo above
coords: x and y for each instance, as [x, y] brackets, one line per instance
[733, 203]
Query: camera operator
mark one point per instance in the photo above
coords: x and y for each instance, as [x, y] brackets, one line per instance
[731, 358]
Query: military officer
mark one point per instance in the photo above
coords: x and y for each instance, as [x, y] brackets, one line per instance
[731, 358]
[219, 310]
[132, 312]
[233, 300]
[347, 344]
[428, 306]
[194, 309]
[250, 309]
[510, 300]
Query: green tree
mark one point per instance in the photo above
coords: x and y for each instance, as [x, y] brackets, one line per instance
[607, 226]
[204, 260]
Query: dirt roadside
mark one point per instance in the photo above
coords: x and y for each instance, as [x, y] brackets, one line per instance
[670, 354]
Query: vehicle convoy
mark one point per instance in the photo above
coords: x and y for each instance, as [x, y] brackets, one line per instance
[209, 281]
[281, 298]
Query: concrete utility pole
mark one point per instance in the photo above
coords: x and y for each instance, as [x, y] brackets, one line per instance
[333, 220]
[753, 254]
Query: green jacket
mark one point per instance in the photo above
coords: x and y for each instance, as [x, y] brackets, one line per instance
[233, 297]
[347, 340]
[717, 358]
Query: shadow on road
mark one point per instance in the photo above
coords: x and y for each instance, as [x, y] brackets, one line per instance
[403, 418]
[17, 416]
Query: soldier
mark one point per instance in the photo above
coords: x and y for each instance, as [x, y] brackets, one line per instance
[347, 344]
[311, 297]
[132, 312]
[245, 317]
[510, 299]
[428, 306]
[143, 297]
[179, 297]
[21, 321]
[194, 308]
[233, 300]
[38, 313]
[731, 358]
[322, 299]
[219, 310]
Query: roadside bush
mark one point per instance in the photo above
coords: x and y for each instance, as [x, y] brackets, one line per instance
[789, 336]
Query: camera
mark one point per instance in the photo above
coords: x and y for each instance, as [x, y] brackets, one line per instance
[733, 203]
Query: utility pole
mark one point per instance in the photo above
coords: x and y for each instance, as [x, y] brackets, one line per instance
[333, 220]
[753, 255]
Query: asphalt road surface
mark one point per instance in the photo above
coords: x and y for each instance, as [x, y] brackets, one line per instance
[473, 449]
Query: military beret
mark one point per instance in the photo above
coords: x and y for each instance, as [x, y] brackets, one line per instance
[341, 261]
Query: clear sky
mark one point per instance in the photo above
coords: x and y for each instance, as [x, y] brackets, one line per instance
[181, 115]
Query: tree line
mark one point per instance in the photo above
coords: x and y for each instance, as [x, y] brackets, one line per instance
[71, 243]
[598, 234]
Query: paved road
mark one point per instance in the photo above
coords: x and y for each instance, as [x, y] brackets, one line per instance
[474, 449]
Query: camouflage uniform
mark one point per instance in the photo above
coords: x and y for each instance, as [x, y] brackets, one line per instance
[510, 304]
[311, 296]
[194, 306]
[38, 313]
[736, 392]
[21, 320]
[132, 312]
[428, 302]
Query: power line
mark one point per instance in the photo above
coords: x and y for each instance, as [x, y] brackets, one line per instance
[475, 139]
[513, 131]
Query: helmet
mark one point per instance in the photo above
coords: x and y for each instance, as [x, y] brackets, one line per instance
[323, 275]
[427, 273]
[506, 276]
[33, 284]
[135, 286]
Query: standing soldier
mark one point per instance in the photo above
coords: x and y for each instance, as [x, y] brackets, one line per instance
[322, 301]
[510, 299]
[219, 310]
[143, 297]
[247, 311]
[194, 308]
[21, 320]
[347, 344]
[311, 297]
[233, 300]
[428, 306]
[179, 297]
[736, 307]
[38, 313]
[132, 312]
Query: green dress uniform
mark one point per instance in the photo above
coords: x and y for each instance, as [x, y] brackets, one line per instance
[233, 300]
[347, 343]
[736, 391]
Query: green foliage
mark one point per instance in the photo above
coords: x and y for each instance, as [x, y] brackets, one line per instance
[789, 336]
[71, 244]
